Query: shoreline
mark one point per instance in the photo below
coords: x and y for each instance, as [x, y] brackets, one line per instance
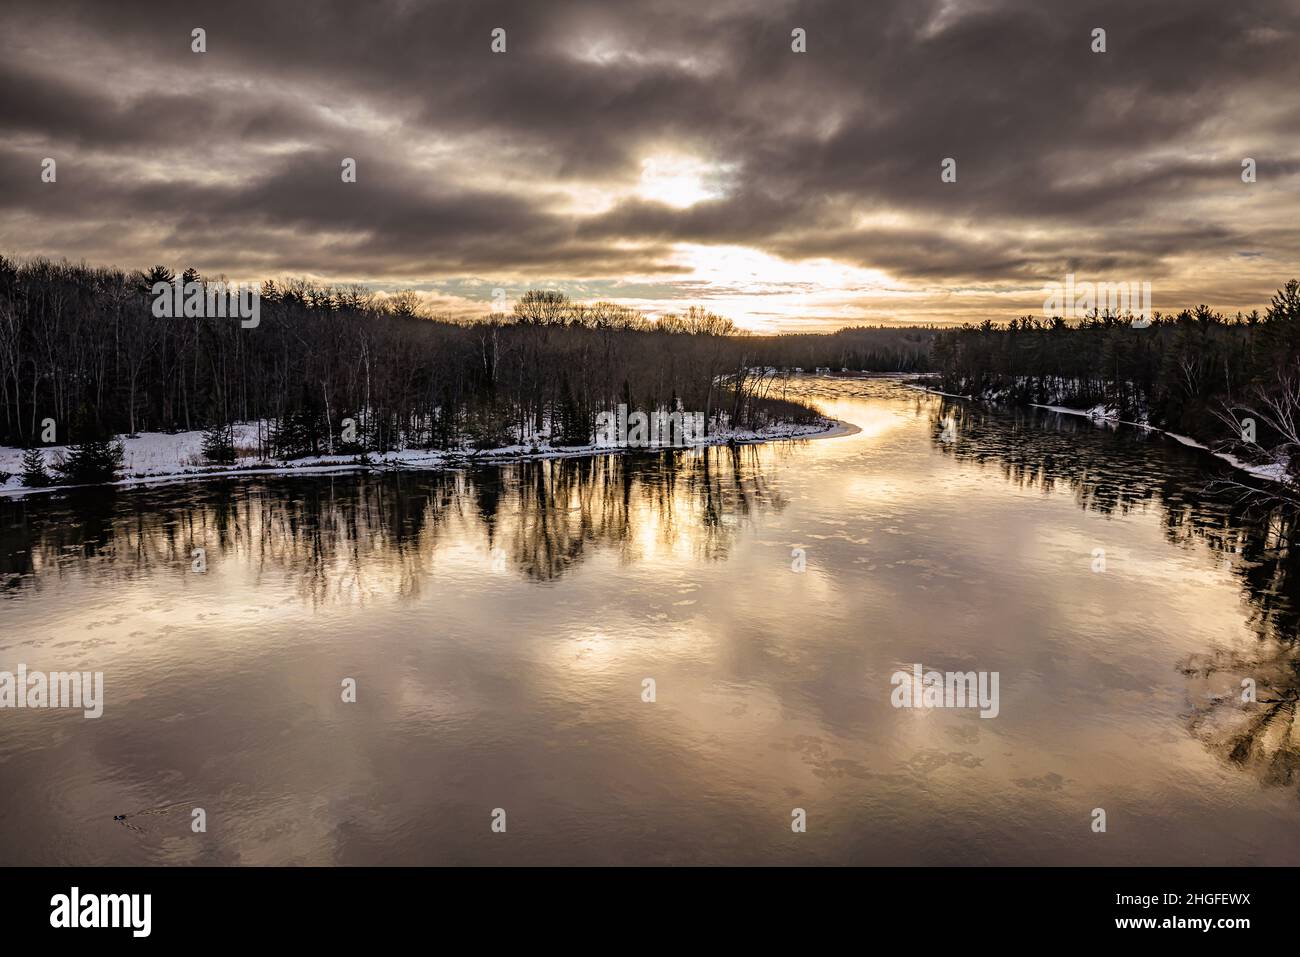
[410, 460]
[1270, 473]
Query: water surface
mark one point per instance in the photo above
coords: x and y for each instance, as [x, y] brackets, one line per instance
[499, 624]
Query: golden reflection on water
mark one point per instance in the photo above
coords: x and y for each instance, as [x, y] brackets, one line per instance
[500, 622]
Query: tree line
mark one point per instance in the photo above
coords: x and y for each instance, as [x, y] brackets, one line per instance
[1232, 381]
[346, 370]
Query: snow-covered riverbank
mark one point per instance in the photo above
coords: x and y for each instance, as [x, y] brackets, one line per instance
[155, 457]
[1271, 471]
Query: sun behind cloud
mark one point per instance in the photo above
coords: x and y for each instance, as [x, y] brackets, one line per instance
[681, 181]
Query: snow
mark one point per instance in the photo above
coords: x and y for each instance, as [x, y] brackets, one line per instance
[1098, 413]
[928, 391]
[153, 457]
[1269, 471]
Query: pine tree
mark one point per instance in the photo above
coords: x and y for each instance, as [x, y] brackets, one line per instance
[96, 461]
[219, 444]
[34, 472]
[570, 426]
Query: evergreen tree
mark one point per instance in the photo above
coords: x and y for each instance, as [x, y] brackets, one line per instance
[219, 444]
[571, 427]
[99, 460]
[35, 474]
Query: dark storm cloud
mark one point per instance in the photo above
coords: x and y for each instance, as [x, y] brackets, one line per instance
[1066, 159]
[47, 105]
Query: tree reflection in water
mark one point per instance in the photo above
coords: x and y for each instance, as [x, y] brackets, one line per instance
[1255, 536]
[345, 537]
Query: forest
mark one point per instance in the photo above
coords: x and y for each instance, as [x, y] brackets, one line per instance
[346, 370]
[81, 348]
[83, 358]
[1232, 382]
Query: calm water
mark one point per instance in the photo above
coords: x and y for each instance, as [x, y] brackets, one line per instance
[499, 624]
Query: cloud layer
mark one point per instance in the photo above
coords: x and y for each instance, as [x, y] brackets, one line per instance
[667, 150]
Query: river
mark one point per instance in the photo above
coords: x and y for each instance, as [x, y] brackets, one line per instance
[499, 626]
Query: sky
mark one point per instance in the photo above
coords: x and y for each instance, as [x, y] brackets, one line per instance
[664, 153]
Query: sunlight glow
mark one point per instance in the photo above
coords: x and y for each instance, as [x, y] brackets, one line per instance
[680, 181]
[762, 292]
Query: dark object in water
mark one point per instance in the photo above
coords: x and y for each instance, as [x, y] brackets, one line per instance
[161, 809]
